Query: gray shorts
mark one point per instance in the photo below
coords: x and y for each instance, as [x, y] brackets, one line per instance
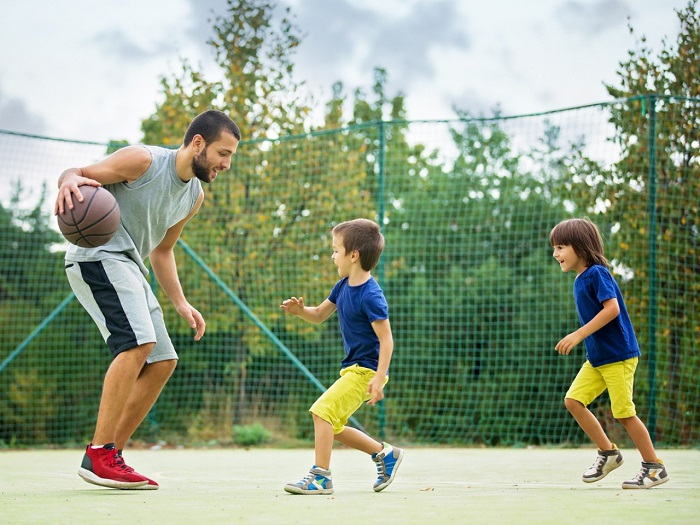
[120, 301]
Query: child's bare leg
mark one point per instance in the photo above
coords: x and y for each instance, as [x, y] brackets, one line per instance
[588, 423]
[358, 440]
[323, 442]
[640, 435]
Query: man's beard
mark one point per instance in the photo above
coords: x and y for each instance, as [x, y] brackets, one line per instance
[201, 168]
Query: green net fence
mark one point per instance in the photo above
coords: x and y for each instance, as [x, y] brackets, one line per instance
[476, 300]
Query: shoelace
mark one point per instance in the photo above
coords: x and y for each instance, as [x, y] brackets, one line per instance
[111, 462]
[381, 466]
[307, 479]
[641, 475]
[599, 462]
[119, 462]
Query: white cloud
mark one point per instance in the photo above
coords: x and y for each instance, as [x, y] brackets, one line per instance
[14, 112]
[91, 70]
[592, 18]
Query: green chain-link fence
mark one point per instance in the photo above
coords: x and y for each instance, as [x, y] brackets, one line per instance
[476, 301]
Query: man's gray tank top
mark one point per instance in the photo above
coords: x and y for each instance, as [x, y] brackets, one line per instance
[149, 206]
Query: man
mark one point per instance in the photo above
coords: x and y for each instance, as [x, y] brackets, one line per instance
[158, 190]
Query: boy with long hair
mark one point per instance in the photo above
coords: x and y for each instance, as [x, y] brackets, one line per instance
[612, 353]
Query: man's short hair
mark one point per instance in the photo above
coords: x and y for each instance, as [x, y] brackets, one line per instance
[210, 125]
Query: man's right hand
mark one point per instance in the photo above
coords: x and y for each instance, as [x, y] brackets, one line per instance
[68, 189]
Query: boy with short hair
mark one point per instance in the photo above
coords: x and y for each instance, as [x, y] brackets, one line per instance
[364, 325]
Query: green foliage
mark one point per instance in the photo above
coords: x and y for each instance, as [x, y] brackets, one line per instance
[476, 300]
[185, 96]
[653, 192]
[26, 236]
[38, 389]
[265, 216]
[476, 292]
[250, 435]
[256, 85]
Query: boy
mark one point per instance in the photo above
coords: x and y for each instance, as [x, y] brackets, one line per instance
[612, 353]
[364, 325]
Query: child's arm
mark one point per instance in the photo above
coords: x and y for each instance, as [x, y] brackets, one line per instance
[312, 314]
[375, 388]
[611, 309]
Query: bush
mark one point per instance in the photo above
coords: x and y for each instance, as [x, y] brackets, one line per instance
[250, 435]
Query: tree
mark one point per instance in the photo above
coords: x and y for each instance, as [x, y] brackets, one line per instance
[253, 50]
[646, 204]
[26, 250]
[29, 271]
[470, 278]
[267, 217]
[654, 195]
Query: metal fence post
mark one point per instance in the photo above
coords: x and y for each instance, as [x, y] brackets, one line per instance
[651, 204]
[380, 219]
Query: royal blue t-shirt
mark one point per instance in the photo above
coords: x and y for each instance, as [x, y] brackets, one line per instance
[358, 307]
[616, 340]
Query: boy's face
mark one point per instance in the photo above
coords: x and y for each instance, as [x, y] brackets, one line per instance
[568, 259]
[341, 258]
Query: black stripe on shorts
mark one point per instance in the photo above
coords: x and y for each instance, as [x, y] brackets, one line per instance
[122, 337]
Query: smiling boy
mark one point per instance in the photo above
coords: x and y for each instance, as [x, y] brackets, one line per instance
[363, 315]
[612, 353]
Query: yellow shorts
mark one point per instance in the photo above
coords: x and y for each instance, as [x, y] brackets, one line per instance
[344, 397]
[618, 378]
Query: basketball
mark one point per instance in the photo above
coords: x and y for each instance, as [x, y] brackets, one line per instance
[94, 221]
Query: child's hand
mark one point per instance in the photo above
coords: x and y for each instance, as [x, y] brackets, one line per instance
[293, 305]
[375, 388]
[567, 344]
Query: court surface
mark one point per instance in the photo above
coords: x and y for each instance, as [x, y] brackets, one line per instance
[433, 486]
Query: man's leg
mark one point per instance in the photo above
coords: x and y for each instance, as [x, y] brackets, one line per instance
[101, 465]
[119, 382]
[122, 304]
[143, 396]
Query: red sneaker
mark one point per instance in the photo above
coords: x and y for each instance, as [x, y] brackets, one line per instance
[100, 467]
[151, 485]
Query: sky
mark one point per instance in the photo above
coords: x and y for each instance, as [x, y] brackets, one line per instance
[87, 70]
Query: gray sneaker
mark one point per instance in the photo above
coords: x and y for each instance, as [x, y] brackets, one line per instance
[650, 475]
[317, 481]
[604, 464]
[387, 465]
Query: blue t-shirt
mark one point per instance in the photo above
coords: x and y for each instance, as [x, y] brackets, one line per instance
[616, 340]
[358, 307]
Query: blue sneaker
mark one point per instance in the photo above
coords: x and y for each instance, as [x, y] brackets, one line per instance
[317, 481]
[387, 461]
